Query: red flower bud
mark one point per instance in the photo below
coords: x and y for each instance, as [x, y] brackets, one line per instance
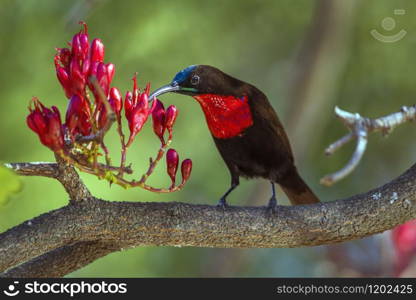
[63, 57]
[110, 71]
[76, 77]
[136, 107]
[101, 116]
[78, 116]
[158, 117]
[136, 116]
[83, 38]
[171, 114]
[86, 68]
[115, 101]
[47, 124]
[63, 78]
[100, 71]
[186, 169]
[76, 46]
[102, 77]
[97, 51]
[93, 68]
[35, 120]
[80, 44]
[135, 125]
[128, 104]
[172, 160]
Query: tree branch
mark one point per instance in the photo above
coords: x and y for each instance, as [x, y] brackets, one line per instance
[360, 127]
[62, 261]
[45, 169]
[177, 224]
[61, 171]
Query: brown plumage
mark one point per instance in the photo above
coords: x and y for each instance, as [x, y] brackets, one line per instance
[246, 130]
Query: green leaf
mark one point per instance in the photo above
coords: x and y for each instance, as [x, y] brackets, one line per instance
[9, 184]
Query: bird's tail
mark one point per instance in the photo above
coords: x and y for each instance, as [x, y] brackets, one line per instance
[297, 190]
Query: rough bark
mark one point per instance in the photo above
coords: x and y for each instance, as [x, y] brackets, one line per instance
[110, 226]
[62, 261]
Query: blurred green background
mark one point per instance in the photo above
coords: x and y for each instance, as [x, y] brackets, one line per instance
[307, 56]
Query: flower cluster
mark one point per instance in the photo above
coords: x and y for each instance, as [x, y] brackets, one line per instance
[93, 106]
[163, 121]
[47, 124]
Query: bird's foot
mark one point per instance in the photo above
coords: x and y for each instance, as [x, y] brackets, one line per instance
[222, 203]
[272, 206]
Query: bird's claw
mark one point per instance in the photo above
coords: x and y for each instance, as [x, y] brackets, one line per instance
[272, 206]
[222, 203]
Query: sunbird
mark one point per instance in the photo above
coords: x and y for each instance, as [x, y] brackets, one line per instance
[246, 130]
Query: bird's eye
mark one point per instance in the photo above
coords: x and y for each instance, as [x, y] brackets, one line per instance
[195, 80]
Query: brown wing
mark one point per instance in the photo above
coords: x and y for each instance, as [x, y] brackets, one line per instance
[263, 112]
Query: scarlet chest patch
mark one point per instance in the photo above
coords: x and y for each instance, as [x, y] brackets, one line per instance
[227, 116]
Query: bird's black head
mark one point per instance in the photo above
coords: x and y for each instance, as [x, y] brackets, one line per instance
[200, 79]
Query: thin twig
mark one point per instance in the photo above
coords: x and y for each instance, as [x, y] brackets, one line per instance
[123, 146]
[46, 169]
[154, 162]
[360, 127]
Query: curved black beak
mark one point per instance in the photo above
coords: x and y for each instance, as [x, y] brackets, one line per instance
[163, 90]
[172, 87]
